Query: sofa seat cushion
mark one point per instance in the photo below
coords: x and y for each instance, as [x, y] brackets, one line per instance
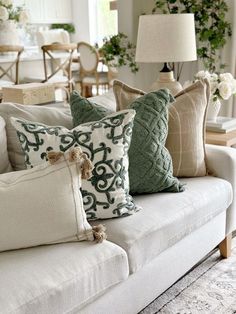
[59, 278]
[168, 217]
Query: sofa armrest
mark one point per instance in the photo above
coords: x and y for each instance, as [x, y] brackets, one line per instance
[221, 162]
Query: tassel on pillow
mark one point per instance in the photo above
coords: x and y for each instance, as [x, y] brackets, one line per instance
[99, 233]
[75, 155]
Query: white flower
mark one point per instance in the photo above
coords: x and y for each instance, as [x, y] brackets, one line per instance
[225, 90]
[228, 77]
[23, 17]
[6, 2]
[202, 75]
[214, 77]
[4, 15]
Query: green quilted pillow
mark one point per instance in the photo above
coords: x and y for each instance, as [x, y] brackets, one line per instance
[150, 164]
[83, 110]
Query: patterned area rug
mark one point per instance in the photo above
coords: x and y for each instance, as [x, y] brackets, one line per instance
[208, 288]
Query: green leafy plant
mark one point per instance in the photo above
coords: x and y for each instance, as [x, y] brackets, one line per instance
[212, 28]
[118, 51]
[67, 27]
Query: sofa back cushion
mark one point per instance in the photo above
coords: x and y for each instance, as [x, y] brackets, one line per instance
[5, 165]
[42, 205]
[50, 116]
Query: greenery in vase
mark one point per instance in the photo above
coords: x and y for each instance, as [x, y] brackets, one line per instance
[67, 27]
[9, 12]
[118, 51]
[212, 28]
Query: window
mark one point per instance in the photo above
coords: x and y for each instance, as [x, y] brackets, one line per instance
[103, 20]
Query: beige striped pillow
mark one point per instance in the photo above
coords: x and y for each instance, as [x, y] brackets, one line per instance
[186, 135]
[125, 94]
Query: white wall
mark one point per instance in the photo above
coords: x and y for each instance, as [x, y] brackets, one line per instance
[80, 14]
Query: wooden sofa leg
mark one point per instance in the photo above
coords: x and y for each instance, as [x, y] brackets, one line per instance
[225, 246]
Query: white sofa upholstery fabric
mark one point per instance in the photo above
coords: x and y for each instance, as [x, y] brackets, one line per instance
[58, 278]
[166, 218]
[221, 162]
[5, 165]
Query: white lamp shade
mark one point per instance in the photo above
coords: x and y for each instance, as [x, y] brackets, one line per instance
[166, 38]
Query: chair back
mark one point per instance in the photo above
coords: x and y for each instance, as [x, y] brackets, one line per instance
[52, 36]
[57, 65]
[14, 53]
[88, 57]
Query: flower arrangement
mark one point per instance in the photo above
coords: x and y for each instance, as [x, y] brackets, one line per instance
[9, 12]
[223, 86]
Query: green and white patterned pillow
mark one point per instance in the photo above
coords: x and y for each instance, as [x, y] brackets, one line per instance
[106, 142]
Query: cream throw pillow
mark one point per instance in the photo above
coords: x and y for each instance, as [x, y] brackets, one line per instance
[186, 126]
[42, 205]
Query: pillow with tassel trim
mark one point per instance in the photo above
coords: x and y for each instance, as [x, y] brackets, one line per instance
[44, 205]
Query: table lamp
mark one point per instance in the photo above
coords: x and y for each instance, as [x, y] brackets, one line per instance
[166, 38]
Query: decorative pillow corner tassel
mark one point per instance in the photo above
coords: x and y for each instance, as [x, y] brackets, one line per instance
[53, 157]
[99, 233]
[86, 166]
[75, 154]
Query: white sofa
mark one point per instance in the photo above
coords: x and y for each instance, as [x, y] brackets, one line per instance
[145, 253]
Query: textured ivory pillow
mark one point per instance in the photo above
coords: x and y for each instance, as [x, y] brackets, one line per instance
[106, 142]
[5, 165]
[42, 205]
[125, 94]
[186, 126]
[49, 116]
